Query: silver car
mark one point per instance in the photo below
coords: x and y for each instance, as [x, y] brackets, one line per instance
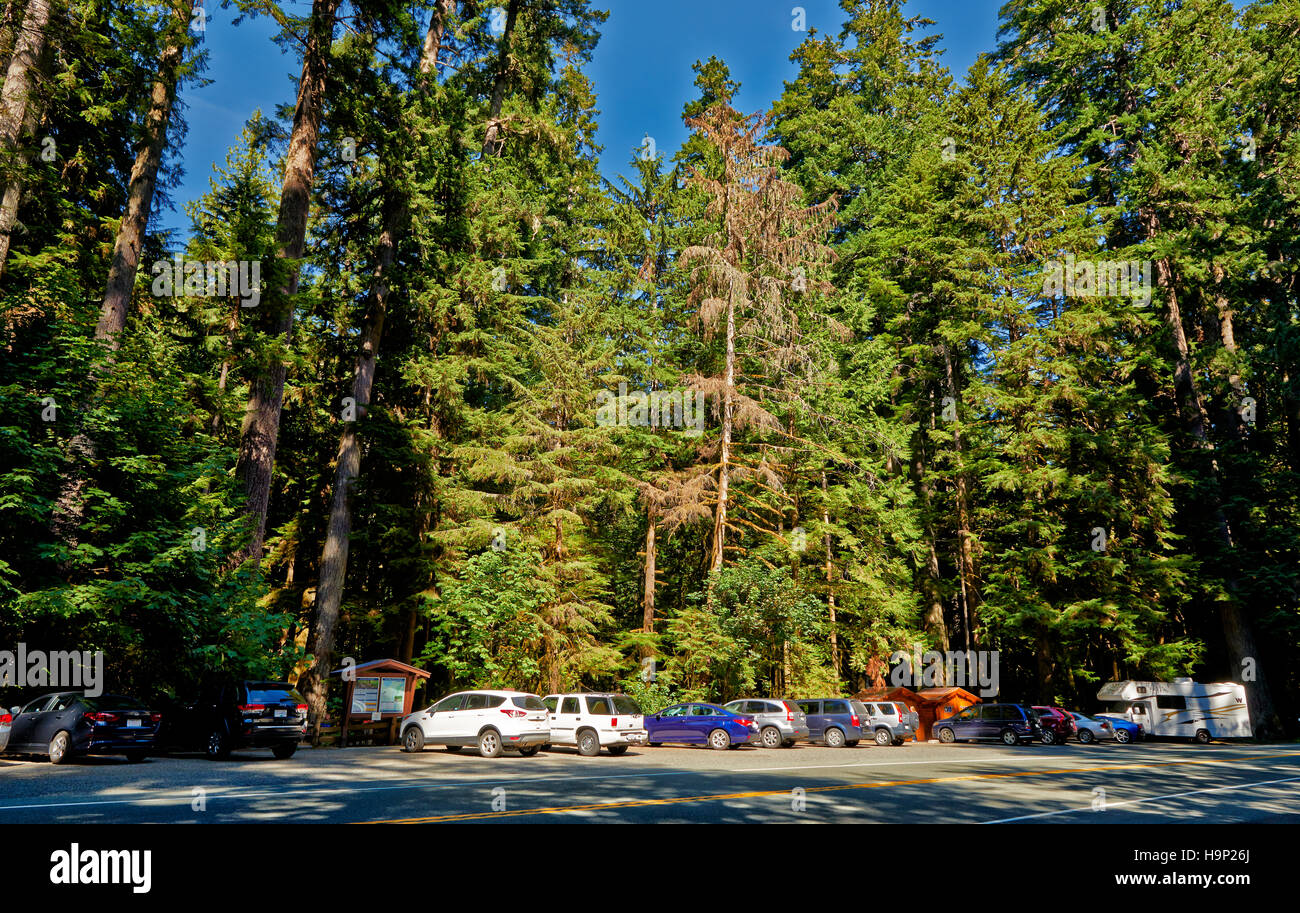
[889, 722]
[780, 723]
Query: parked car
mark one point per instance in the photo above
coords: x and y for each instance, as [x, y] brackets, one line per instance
[6, 724]
[593, 721]
[1057, 724]
[1013, 724]
[492, 720]
[780, 723]
[833, 721]
[1091, 730]
[890, 722]
[700, 724]
[232, 715]
[68, 724]
[1125, 730]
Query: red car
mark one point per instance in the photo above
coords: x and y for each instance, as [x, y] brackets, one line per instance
[1057, 725]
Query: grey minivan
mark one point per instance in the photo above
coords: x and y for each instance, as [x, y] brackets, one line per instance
[890, 722]
[832, 721]
[781, 723]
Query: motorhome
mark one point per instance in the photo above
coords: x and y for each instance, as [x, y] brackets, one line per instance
[1181, 708]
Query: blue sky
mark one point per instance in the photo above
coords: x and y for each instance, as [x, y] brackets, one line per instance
[641, 69]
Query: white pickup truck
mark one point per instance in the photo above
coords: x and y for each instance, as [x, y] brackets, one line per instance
[594, 721]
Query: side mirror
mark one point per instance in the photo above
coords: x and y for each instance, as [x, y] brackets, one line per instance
[15, 710]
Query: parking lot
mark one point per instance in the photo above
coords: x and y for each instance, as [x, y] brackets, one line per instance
[915, 783]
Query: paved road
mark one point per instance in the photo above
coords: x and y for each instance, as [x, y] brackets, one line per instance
[917, 783]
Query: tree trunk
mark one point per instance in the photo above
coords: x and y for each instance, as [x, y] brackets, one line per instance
[13, 194]
[140, 191]
[433, 41]
[931, 576]
[965, 535]
[9, 31]
[16, 97]
[724, 468]
[491, 143]
[830, 593]
[261, 428]
[648, 604]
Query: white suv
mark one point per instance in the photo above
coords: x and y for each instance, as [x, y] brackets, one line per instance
[591, 721]
[492, 720]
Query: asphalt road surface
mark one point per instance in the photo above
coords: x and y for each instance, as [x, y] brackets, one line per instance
[914, 783]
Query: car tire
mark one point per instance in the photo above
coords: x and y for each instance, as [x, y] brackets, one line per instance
[719, 740]
[617, 750]
[1122, 736]
[947, 736]
[60, 747]
[285, 752]
[588, 743]
[1086, 736]
[1202, 737]
[489, 743]
[1009, 737]
[135, 757]
[413, 739]
[529, 750]
[884, 737]
[1049, 737]
[788, 743]
[834, 738]
[218, 747]
[771, 737]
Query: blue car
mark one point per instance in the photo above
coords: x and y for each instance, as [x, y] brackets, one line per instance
[699, 724]
[1125, 731]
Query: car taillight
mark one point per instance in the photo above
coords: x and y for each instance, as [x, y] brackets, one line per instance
[6, 718]
[613, 721]
[853, 720]
[1105, 725]
[301, 708]
[513, 714]
[744, 722]
[251, 708]
[155, 717]
[900, 713]
[789, 712]
[102, 717]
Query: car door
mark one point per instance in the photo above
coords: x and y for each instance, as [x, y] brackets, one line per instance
[816, 722]
[965, 725]
[442, 724]
[703, 720]
[62, 713]
[564, 722]
[22, 735]
[669, 725]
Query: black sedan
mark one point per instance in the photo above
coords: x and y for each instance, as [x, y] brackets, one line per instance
[68, 724]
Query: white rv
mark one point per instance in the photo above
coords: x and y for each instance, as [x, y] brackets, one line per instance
[1181, 708]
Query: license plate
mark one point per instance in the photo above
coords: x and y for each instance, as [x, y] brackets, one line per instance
[280, 714]
[134, 724]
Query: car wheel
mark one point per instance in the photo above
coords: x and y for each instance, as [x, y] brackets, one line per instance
[285, 752]
[413, 739]
[1009, 737]
[489, 743]
[1049, 737]
[529, 750]
[719, 739]
[617, 750]
[135, 757]
[1086, 736]
[588, 743]
[834, 738]
[1122, 736]
[59, 746]
[947, 736]
[899, 741]
[218, 747]
[771, 737]
[1202, 737]
[884, 737]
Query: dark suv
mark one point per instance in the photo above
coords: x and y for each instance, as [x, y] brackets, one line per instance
[1013, 724]
[244, 714]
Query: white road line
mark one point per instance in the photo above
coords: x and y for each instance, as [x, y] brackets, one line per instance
[1111, 805]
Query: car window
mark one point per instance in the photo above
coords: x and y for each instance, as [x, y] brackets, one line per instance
[625, 704]
[835, 707]
[272, 693]
[675, 710]
[1140, 708]
[527, 702]
[810, 706]
[551, 703]
[39, 704]
[1171, 702]
[968, 714]
[993, 712]
[477, 702]
[455, 702]
[600, 706]
[569, 705]
[702, 710]
[737, 706]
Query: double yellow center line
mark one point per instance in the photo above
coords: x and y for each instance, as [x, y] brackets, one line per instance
[767, 793]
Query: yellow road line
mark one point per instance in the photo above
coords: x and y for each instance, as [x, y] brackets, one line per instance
[673, 800]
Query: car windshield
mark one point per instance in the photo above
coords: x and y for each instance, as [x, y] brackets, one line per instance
[113, 702]
[528, 702]
[273, 693]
